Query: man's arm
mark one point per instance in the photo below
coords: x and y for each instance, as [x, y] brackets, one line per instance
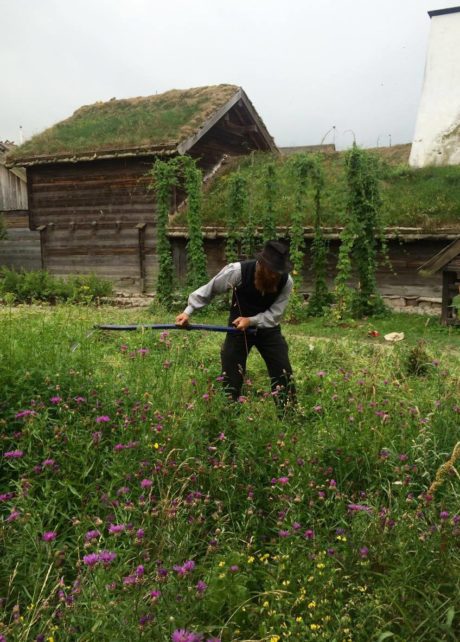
[227, 278]
[272, 317]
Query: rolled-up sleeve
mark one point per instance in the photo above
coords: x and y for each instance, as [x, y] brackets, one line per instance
[227, 278]
[272, 317]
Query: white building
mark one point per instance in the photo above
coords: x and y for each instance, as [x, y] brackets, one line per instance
[437, 132]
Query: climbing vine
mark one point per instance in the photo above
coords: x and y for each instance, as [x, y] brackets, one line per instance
[361, 233]
[196, 257]
[164, 178]
[237, 206]
[269, 231]
[166, 175]
[300, 167]
[320, 298]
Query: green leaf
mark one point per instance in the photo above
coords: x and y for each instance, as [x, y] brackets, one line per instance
[384, 636]
[450, 616]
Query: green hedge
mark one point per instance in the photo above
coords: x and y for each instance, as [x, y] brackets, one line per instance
[27, 287]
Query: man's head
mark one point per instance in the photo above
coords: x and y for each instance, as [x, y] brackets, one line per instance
[272, 263]
[275, 256]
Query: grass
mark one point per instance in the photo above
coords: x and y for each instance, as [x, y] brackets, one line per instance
[129, 123]
[426, 198]
[217, 521]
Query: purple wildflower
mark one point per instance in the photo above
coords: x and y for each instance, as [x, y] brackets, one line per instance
[90, 535]
[363, 552]
[145, 619]
[182, 635]
[146, 483]
[102, 419]
[107, 557]
[13, 454]
[115, 529]
[91, 560]
[56, 400]
[25, 413]
[49, 536]
[309, 534]
[201, 587]
[359, 507]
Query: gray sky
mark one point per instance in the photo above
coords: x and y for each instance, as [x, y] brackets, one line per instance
[307, 65]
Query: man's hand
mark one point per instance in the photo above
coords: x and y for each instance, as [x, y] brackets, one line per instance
[182, 320]
[241, 323]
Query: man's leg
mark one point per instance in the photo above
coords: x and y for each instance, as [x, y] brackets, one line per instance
[274, 351]
[233, 355]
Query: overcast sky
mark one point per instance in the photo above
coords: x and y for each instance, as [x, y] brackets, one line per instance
[307, 65]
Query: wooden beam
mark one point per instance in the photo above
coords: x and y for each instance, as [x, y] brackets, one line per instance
[441, 259]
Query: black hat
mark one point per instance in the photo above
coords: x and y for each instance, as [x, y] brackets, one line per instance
[275, 256]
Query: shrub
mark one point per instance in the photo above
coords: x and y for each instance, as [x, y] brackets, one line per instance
[39, 285]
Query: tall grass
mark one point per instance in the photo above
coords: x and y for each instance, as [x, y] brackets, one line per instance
[137, 502]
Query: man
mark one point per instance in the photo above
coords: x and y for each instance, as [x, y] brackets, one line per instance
[261, 289]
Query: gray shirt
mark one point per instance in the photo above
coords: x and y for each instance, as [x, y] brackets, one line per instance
[227, 279]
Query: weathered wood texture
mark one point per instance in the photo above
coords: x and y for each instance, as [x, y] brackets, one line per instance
[89, 216]
[21, 248]
[400, 280]
[13, 191]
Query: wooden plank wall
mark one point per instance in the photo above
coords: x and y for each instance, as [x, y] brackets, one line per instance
[13, 191]
[21, 248]
[96, 217]
[403, 281]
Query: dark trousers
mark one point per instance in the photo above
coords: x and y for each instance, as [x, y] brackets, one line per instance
[274, 350]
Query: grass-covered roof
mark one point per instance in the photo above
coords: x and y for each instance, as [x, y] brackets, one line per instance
[143, 123]
[427, 198]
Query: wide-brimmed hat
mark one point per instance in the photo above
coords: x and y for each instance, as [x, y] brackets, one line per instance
[275, 255]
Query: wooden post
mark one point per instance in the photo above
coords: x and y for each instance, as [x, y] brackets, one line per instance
[448, 283]
[141, 244]
[42, 230]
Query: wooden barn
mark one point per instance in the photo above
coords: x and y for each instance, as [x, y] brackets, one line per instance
[448, 262]
[21, 247]
[87, 177]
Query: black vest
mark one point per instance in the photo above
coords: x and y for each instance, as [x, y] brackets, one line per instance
[247, 301]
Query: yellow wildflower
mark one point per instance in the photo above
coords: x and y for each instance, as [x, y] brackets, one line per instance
[251, 559]
[312, 605]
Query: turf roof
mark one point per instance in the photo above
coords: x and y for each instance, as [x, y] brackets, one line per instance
[159, 121]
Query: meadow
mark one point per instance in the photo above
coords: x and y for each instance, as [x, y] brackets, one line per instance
[137, 503]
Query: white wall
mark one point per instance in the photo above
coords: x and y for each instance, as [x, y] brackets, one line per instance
[437, 132]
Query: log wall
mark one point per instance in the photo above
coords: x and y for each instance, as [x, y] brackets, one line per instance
[96, 217]
[401, 280]
[21, 248]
